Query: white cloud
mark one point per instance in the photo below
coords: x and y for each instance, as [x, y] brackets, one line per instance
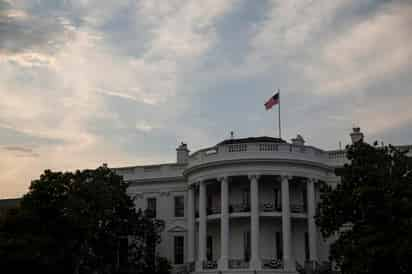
[374, 49]
[61, 94]
[289, 26]
[144, 126]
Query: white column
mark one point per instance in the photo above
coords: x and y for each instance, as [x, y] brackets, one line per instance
[191, 224]
[313, 254]
[202, 226]
[224, 224]
[254, 218]
[286, 225]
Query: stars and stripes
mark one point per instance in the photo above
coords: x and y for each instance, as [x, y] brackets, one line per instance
[274, 100]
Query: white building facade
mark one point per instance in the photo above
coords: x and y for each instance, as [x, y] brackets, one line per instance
[241, 206]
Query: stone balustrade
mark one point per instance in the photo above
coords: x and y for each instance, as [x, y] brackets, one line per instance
[272, 263]
[258, 151]
[238, 264]
[210, 264]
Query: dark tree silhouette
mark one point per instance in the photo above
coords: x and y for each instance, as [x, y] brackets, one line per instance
[370, 211]
[78, 223]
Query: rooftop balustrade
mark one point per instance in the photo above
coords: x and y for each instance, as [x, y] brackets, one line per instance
[151, 171]
[285, 151]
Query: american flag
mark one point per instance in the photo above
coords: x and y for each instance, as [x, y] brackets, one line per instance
[274, 100]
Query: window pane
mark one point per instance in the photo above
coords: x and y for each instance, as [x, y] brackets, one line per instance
[179, 206]
[179, 249]
[151, 207]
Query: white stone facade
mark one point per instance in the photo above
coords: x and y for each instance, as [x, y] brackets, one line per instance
[242, 206]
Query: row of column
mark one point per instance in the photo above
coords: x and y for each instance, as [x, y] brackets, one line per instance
[255, 262]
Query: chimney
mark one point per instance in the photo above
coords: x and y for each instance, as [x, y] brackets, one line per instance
[298, 141]
[182, 154]
[356, 135]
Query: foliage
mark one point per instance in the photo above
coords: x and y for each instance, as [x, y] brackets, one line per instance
[314, 268]
[369, 213]
[75, 223]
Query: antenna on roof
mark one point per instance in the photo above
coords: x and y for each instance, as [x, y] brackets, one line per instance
[232, 135]
[340, 145]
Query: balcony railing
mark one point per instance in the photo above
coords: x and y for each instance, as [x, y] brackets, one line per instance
[314, 267]
[297, 208]
[272, 263]
[210, 265]
[184, 268]
[270, 207]
[264, 207]
[180, 269]
[238, 264]
[239, 208]
[213, 210]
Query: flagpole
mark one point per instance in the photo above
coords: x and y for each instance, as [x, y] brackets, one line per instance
[279, 125]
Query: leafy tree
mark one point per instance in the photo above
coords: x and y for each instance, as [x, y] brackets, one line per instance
[78, 223]
[370, 211]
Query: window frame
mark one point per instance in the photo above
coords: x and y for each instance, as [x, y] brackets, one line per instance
[179, 212]
[179, 250]
[152, 206]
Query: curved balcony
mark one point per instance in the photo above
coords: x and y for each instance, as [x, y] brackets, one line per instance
[210, 264]
[267, 209]
[238, 264]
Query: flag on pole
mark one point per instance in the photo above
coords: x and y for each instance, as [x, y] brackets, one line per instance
[274, 100]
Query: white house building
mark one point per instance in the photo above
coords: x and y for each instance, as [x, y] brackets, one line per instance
[241, 206]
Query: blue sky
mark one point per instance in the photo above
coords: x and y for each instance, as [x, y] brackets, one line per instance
[85, 82]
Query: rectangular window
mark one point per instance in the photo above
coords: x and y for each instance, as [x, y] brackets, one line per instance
[179, 206]
[306, 246]
[179, 243]
[151, 207]
[279, 245]
[209, 248]
[246, 242]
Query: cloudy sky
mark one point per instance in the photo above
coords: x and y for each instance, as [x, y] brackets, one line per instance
[83, 82]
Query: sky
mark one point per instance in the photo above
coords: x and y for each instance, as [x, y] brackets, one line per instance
[123, 82]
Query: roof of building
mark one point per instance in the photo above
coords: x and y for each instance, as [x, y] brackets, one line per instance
[261, 139]
[8, 203]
